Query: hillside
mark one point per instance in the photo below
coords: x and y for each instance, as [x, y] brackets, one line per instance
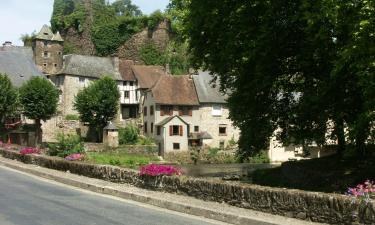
[93, 27]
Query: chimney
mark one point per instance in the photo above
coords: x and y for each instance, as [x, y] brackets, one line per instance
[7, 44]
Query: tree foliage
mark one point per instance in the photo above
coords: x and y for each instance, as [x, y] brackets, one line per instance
[39, 98]
[8, 98]
[306, 67]
[126, 8]
[98, 103]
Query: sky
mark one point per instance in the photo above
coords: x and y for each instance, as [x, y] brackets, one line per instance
[19, 17]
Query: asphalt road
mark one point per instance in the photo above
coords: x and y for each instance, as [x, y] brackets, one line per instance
[26, 200]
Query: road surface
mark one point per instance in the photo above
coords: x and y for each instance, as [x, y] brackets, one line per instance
[27, 200]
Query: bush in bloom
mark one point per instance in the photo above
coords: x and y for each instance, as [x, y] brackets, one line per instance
[365, 191]
[75, 157]
[156, 170]
[27, 151]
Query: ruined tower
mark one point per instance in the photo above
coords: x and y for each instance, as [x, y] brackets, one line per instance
[48, 51]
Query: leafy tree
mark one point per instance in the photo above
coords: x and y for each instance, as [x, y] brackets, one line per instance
[126, 8]
[98, 103]
[39, 99]
[8, 98]
[305, 67]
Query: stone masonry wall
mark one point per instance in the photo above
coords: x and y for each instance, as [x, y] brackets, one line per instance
[313, 206]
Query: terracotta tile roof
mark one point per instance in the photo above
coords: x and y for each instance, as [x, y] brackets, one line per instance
[175, 90]
[125, 68]
[147, 76]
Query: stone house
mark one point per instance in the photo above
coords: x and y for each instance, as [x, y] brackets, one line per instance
[184, 111]
[213, 113]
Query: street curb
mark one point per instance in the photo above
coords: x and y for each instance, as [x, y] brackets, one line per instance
[105, 188]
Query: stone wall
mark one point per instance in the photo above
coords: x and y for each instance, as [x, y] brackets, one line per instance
[160, 37]
[313, 206]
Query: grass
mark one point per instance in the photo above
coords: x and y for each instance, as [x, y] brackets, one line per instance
[120, 159]
[329, 174]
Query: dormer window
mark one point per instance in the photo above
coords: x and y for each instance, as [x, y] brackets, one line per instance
[45, 33]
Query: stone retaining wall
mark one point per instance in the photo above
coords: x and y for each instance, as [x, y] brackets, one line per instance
[313, 206]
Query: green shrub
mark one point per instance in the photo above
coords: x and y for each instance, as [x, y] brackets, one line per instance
[261, 157]
[72, 117]
[145, 141]
[66, 145]
[128, 135]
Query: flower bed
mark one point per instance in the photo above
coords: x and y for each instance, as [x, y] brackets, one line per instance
[365, 191]
[27, 151]
[159, 170]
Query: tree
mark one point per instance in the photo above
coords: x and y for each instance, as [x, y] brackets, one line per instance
[126, 8]
[98, 103]
[305, 67]
[39, 99]
[8, 98]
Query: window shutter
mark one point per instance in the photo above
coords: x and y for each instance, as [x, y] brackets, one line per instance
[181, 131]
[190, 112]
[171, 130]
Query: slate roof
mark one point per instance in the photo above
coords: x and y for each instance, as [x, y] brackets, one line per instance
[125, 68]
[168, 119]
[175, 90]
[90, 66]
[25, 51]
[18, 67]
[147, 76]
[46, 34]
[207, 93]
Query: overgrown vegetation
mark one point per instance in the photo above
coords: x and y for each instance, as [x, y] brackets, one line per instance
[120, 159]
[111, 25]
[66, 145]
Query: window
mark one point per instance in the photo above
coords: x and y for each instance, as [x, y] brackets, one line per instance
[216, 110]
[151, 110]
[131, 83]
[55, 65]
[166, 110]
[158, 130]
[222, 144]
[152, 128]
[44, 65]
[176, 146]
[59, 53]
[126, 94]
[185, 111]
[222, 130]
[124, 83]
[175, 130]
[82, 81]
[145, 111]
[45, 54]
[196, 128]
[145, 127]
[129, 111]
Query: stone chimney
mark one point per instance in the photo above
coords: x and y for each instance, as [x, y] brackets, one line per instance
[7, 44]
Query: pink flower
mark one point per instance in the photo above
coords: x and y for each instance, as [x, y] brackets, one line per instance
[75, 157]
[156, 170]
[27, 151]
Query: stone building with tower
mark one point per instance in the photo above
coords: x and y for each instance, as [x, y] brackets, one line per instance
[48, 51]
